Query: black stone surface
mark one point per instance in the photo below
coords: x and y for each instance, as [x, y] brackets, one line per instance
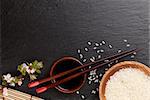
[49, 29]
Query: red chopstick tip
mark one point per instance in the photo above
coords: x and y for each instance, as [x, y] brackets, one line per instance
[33, 84]
[41, 89]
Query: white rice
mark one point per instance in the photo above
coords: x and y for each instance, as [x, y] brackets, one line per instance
[128, 84]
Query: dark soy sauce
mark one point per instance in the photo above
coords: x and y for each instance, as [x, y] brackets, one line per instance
[67, 65]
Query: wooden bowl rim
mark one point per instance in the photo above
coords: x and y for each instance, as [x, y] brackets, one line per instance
[101, 96]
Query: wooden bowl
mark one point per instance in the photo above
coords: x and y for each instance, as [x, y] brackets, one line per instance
[117, 67]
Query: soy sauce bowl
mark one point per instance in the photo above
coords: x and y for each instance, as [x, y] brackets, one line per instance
[64, 64]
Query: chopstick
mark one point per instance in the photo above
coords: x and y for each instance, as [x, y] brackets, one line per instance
[44, 88]
[36, 83]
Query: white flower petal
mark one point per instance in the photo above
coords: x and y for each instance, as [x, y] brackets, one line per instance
[12, 84]
[30, 64]
[32, 71]
[28, 70]
[19, 83]
[8, 75]
[8, 80]
[12, 78]
[27, 67]
[24, 65]
[5, 77]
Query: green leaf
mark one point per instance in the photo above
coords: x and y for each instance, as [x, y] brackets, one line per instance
[38, 71]
[40, 64]
[4, 83]
[23, 72]
[37, 65]
[27, 63]
[19, 68]
[16, 79]
[36, 75]
[32, 77]
[34, 64]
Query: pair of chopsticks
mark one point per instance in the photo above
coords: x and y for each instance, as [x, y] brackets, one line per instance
[109, 58]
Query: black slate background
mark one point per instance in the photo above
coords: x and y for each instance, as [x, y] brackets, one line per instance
[49, 29]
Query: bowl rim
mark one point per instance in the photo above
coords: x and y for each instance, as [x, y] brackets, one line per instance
[62, 89]
[101, 96]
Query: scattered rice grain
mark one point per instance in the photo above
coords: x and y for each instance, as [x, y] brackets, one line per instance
[100, 44]
[125, 40]
[84, 60]
[99, 56]
[78, 51]
[94, 48]
[77, 92]
[134, 53]
[132, 56]
[86, 49]
[96, 44]
[96, 76]
[96, 81]
[97, 89]
[110, 46]
[82, 96]
[106, 61]
[103, 42]
[90, 67]
[93, 92]
[128, 45]
[93, 72]
[89, 43]
[92, 60]
[98, 51]
[100, 75]
[93, 78]
[90, 78]
[116, 61]
[81, 56]
[109, 65]
[89, 82]
[93, 57]
[119, 51]
[101, 50]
